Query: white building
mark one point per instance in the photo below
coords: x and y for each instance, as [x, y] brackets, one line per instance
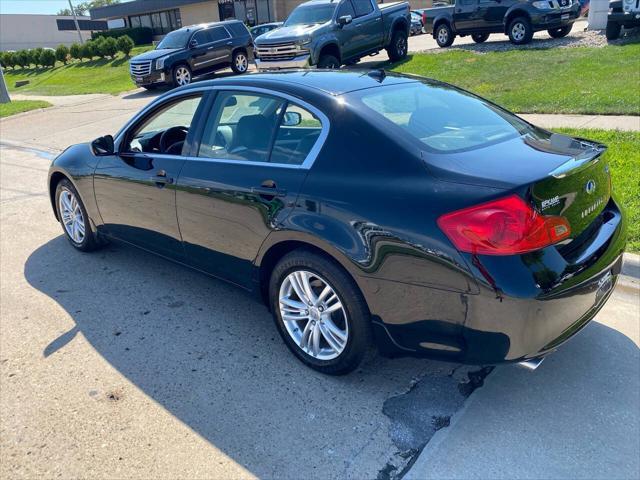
[20, 31]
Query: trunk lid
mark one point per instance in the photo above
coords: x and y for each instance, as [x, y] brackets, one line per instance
[561, 175]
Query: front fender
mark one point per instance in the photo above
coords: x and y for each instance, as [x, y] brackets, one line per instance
[326, 39]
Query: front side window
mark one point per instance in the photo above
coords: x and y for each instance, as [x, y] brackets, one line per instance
[362, 7]
[443, 118]
[166, 129]
[201, 37]
[175, 39]
[346, 8]
[259, 128]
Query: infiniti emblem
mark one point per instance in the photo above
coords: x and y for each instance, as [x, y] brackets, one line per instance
[590, 187]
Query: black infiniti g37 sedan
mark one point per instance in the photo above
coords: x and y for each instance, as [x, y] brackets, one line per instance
[363, 208]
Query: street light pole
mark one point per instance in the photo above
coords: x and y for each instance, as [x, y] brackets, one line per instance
[4, 93]
[75, 20]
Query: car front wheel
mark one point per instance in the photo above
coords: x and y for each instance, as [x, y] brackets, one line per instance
[328, 61]
[74, 218]
[320, 313]
[520, 31]
[444, 35]
[181, 76]
[613, 30]
[560, 32]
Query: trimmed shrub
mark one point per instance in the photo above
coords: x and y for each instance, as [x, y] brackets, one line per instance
[48, 58]
[108, 47]
[8, 60]
[62, 53]
[125, 44]
[97, 46]
[88, 50]
[139, 35]
[35, 56]
[75, 51]
[21, 58]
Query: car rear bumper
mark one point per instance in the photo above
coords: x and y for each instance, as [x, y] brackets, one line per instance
[301, 61]
[527, 306]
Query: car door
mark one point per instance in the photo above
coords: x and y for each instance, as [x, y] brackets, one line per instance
[202, 51]
[491, 15]
[466, 15]
[135, 188]
[348, 32]
[368, 22]
[220, 47]
[253, 157]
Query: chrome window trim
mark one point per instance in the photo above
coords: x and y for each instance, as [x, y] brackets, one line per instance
[305, 165]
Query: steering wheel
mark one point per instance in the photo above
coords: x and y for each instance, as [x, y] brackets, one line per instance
[172, 136]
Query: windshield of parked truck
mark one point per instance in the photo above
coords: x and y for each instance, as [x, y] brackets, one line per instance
[442, 117]
[311, 14]
[175, 39]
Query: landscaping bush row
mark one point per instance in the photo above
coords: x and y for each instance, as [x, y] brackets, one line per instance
[139, 35]
[46, 57]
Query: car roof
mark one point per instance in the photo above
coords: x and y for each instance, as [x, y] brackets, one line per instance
[332, 82]
[202, 26]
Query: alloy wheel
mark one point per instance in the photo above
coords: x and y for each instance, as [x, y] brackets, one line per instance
[313, 315]
[72, 217]
[401, 46]
[443, 35]
[241, 62]
[183, 76]
[518, 31]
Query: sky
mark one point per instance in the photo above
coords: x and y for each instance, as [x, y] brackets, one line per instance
[34, 6]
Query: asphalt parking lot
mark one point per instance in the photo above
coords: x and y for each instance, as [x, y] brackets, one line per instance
[119, 364]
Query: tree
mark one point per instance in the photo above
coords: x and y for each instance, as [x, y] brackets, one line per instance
[34, 56]
[48, 58]
[83, 8]
[8, 60]
[109, 47]
[21, 58]
[125, 44]
[76, 51]
[97, 46]
[62, 52]
[88, 50]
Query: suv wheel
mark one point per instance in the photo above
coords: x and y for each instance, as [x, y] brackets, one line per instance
[240, 62]
[480, 37]
[320, 313]
[181, 75]
[561, 31]
[328, 61]
[613, 30]
[398, 47]
[520, 31]
[444, 35]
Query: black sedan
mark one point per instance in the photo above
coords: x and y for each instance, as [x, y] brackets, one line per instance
[363, 208]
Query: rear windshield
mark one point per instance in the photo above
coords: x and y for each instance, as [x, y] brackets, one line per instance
[311, 14]
[443, 118]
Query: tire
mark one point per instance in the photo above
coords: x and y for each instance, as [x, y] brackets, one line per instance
[328, 61]
[444, 35]
[181, 75]
[69, 204]
[352, 319]
[613, 30]
[520, 31]
[398, 47]
[560, 32]
[480, 37]
[239, 62]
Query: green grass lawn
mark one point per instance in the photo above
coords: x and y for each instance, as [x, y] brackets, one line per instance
[624, 158]
[19, 106]
[95, 76]
[562, 80]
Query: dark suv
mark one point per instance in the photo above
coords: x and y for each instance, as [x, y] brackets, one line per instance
[518, 19]
[191, 51]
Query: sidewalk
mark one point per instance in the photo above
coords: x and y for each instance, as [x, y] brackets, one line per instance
[575, 417]
[605, 122]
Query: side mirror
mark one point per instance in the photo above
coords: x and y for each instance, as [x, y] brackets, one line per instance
[193, 43]
[344, 20]
[103, 146]
[291, 119]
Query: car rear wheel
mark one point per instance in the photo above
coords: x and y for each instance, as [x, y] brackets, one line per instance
[328, 61]
[444, 35]
[613, 30]
[520, 31]
[240, 62]
[480, 37]
[181, 76]
[560, 32]
[398, 47]
[320, 313]
[74, 218]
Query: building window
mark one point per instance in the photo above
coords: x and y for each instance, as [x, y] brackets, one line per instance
[160, 22]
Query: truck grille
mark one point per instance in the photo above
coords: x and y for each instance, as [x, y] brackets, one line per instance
[279, 51]
[140, 68]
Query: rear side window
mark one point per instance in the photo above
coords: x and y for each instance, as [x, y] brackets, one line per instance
[443, 118]
[217, 33]
[346, 8]
[259, 128]
[237, 29]
[362, 7]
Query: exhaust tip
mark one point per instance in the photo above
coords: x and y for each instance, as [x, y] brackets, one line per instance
[531, 364]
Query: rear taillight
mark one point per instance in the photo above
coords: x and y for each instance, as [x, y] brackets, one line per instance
[507, 226]
[424, 18]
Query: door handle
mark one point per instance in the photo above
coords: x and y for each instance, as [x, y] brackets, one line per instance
[269, 190]
[161, 179]
[229, 43]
